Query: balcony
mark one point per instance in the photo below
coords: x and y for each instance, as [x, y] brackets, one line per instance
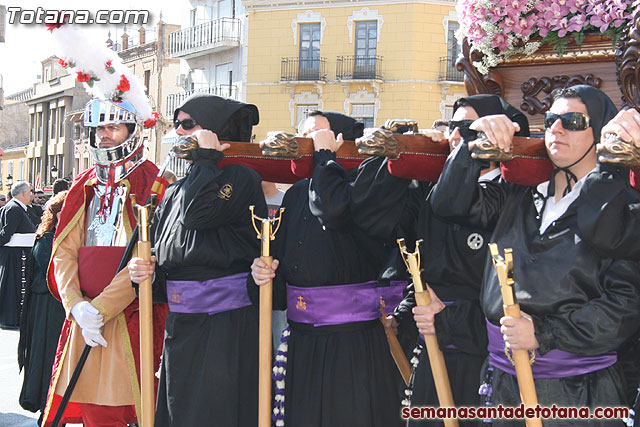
[448, 71]
[212, 36]
[359, 68]
[175, 99]
[296, 69]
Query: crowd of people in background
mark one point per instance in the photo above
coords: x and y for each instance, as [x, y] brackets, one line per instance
[21, 212]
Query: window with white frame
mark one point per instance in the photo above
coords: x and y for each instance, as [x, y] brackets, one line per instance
[225, 9]
[309, 50]
[364, 113]
[302, 111]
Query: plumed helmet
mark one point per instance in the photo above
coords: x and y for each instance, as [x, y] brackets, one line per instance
[126, 155]
[119, 97]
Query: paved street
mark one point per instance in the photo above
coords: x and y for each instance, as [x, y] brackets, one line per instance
[11, 414]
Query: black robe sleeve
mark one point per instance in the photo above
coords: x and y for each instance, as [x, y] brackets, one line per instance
[329, 191]
[461, 324]
[609, 218]
[381, 201]
[459, 197]
[600, 325]
[472, 338]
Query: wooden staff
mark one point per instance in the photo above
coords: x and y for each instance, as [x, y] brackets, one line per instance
[521, 361]
[148, 406]
[436, 358]
[266, 233]
[396, 349]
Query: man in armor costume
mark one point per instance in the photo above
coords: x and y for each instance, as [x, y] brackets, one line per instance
[101, 307]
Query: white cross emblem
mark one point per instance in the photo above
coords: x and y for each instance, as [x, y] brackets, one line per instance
[475, 241]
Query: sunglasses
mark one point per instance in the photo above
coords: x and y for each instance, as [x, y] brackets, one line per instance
[187, 124]
[463, 127]
[570, 121]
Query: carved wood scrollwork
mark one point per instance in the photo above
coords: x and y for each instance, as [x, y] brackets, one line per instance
[532, 87]
[474, 82]
[628, 64]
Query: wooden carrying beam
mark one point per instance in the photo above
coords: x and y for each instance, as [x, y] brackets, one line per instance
[287, 159]
[411, 156]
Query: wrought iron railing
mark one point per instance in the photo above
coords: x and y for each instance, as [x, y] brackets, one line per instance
[293, 69]
[175, 99]
[204, 36]
[359, 68]
[448, 70]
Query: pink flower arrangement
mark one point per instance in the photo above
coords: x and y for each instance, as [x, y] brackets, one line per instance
[503, 28]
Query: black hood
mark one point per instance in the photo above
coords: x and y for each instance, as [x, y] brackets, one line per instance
[229, 119]
[487, 105]
[599, 106]
[349, 127]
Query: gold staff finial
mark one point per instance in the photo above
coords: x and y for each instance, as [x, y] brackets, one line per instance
[143, 214]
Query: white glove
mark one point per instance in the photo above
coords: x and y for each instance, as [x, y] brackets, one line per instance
[93, 337]
[87, 316]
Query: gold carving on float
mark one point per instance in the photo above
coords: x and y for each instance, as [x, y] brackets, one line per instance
[614, 150]
[377, 142]
[482, 148]
[279, 144]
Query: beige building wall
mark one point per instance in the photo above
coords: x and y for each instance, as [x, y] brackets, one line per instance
[411, 40]
[13, 163]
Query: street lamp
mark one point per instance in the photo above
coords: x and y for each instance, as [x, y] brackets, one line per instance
[54, 173]
[9, 180]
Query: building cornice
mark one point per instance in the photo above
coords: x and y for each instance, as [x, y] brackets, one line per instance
[271, 5]
[137, 52]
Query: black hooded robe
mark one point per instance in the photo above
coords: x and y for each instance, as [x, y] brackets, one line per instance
[453, 260]
[336, 375]
[580, 302]
[203, 230]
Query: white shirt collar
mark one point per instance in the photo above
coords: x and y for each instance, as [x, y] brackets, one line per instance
[554, 210]
[20, 203]
[489, 176]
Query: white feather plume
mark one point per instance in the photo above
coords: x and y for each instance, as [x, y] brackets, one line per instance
[86, 57]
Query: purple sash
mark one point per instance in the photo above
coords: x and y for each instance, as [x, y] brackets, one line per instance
[333, 305]
[392, 295]
[211, 296]
[554, 364]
